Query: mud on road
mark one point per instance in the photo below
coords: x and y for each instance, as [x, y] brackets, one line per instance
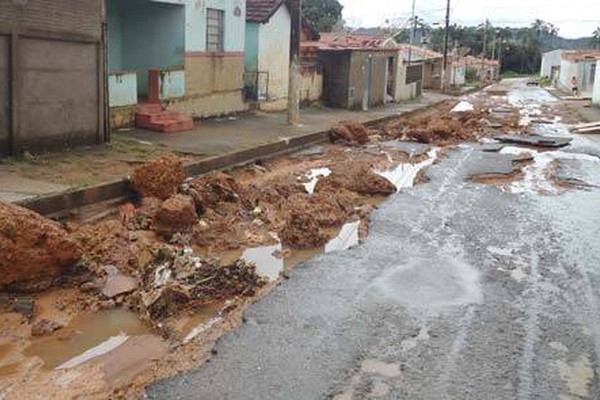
[462, 290]
[170, 272]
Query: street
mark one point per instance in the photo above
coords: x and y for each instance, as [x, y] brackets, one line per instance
[461, 290]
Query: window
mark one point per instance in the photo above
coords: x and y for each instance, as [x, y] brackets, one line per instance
[214, 29]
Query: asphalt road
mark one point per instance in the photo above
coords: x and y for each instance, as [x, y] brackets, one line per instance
[461, 291]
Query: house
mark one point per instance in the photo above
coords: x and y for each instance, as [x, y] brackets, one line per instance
[267, 58]
[477, 68]
[311, 69]
[596, 90]
[51, 74]
[551, 64]
[431, 61]
[358, 73]
[186, 55]
[580, 64]
[458, 73]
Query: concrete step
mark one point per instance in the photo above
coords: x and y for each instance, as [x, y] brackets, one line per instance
[155, 118]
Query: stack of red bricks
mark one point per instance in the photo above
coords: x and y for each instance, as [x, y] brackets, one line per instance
[155, 118]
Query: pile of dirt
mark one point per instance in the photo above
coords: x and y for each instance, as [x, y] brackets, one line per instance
[351, 132]
[214, 188]
[176, 215]
[159, 178]
[438, 125]
[302, 231]
[110, 243]
[358, 178]
[177, 280]
[33, 250]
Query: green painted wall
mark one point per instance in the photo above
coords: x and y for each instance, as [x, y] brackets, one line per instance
[145, 35]
[115, 50]
[251, 50]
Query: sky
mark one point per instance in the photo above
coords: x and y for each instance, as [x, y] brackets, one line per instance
[574, 18]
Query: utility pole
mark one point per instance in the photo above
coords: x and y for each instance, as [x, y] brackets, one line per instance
[294, 79]
[446, 36]
[484, 52]
[413, 27]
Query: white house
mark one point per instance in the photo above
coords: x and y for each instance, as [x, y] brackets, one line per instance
[267, 53]
[596, 91]
[551, 64]
[580, 64]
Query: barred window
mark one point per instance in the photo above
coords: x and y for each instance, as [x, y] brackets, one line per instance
[215, 24]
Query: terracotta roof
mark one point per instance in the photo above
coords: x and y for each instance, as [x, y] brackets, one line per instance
[476, 61]
[418, 53]
[260, 11]
[580, 55]
[350, 41]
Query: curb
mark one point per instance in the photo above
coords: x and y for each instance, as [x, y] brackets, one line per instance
[60, 206]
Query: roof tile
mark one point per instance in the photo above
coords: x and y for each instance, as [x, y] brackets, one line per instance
[260, 11]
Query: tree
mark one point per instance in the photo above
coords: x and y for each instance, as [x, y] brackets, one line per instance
[595, 40]
[322, 14]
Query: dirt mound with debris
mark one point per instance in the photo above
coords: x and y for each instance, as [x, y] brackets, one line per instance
[176, 215]
[177, 280]
[159, 178]
[351, 132]
[110, 243]
[356, 177]
[438, 125]
[302, 231]
[33, 250]
[217, 187]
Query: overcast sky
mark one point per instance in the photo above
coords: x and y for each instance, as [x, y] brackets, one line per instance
[574, 18]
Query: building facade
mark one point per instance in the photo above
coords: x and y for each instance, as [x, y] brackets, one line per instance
[596, 90]
[267, 59]
[581, 65]
[187, 53]
[359, 71]
[551, 64]
[51, 74]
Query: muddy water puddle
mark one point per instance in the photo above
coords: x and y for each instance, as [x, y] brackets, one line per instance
[272, 260]
[404, 175]
[86, 338]
[196, 321]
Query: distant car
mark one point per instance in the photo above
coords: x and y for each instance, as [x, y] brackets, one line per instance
[533, 82]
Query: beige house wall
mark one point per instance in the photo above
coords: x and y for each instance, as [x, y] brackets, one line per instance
[213, 85]
[311, 89]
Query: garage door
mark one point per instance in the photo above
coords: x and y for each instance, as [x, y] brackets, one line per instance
[59, 99]
[4, 95]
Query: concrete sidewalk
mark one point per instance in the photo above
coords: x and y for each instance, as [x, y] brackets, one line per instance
[225, 135]
[84, 167]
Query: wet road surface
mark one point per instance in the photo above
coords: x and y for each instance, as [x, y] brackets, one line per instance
[461, 291]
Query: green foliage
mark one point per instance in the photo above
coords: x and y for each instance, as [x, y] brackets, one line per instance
[471, 74]
[519, 49]
[514, 74]
[545, 81]
[322, 14]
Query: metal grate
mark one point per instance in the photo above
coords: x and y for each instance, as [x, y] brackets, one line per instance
[215, 24]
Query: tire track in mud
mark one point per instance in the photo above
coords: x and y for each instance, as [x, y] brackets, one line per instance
[460, 339]
[531, 326]
[449, 190]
